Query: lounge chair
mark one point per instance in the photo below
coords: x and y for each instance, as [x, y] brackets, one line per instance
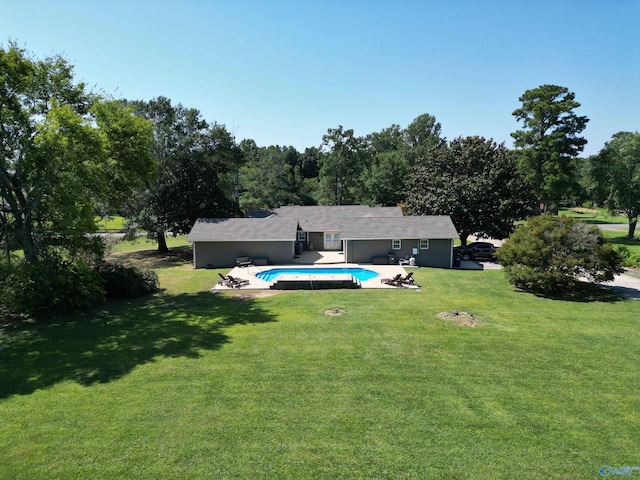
[408, 280]
[224, 281]
[232, 282]
[395, 281]
[237, 282]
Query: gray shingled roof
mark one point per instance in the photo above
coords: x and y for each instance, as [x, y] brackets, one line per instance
[352, 221]
[319, 218]
[243, 229]
[432, 226]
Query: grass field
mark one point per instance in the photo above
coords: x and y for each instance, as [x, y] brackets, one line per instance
[595, 215]
[114, 223]
[188, 384]
[144, 244]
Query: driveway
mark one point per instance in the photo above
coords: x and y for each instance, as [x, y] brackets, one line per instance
[613, 226]
[625, 285]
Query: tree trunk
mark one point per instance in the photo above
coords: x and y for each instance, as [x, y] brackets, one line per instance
[24, 235]
[632, 228]
[20, 207]
[162, 242]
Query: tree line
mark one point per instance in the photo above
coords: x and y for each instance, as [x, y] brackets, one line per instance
[69, 154]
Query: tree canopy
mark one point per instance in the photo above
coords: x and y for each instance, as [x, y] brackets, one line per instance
[473, 180]
[195, 162]
[549, 141]
[274, 176]
[422, 135]
[617, 169]
[341, 167]
[63, 150]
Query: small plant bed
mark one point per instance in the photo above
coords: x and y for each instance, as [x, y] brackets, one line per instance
[586, 211]
[464, 319]
[334, 312]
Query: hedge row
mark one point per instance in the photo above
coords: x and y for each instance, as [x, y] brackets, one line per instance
[29, 288]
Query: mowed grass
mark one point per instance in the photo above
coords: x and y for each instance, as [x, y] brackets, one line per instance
[112, 223]
[194, 384]
[593, 215]
[143, 244]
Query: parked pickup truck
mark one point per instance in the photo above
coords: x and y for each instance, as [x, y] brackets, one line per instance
[476, 251]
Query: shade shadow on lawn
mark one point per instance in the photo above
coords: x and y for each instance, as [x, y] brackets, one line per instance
[624, 240]
[154, 260]
[108, 343]
[582, 292]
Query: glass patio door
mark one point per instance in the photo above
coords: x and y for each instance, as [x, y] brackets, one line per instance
[332, 241]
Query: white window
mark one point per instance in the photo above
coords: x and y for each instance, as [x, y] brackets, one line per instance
[396, 244]
[302, 236]
[424, 244]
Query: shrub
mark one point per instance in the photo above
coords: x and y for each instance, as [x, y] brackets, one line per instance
[27, 288]
[119, 281]
[550, 254]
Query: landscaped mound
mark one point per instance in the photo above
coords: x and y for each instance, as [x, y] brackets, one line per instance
[461, 318]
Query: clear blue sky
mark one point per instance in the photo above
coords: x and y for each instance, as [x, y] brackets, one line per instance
[283, 72]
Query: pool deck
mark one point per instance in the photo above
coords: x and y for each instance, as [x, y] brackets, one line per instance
[249, 273]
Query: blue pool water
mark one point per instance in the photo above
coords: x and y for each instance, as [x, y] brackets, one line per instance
[359, 273]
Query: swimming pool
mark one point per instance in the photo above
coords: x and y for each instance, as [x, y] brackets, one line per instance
[359, 273]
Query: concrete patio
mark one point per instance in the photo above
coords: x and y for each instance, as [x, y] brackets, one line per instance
[249, 274]
[319, 257]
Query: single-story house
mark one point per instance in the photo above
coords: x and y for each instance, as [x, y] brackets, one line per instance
[365, 235]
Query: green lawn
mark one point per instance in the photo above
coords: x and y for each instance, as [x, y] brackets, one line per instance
[115, 222]
[144, 244]
[188, 384]
[601, 215]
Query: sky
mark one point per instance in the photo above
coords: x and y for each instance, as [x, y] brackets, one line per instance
[283, 72]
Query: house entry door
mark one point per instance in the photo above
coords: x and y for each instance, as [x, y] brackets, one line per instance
[332, 241]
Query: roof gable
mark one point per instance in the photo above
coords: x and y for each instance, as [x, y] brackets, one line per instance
[430, 226]
[323, 218]
[243, 229]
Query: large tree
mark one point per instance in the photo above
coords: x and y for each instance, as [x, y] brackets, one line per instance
[422, 135]
[616, 169]
[473, 180]
[63, 151]
[341, 167]
[196, 162]
[391, 153]
[549, 141]
[390, 139]
[384, 179]
[270, 177]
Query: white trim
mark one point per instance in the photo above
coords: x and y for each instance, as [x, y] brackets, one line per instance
[393, 243]
[420, 243]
